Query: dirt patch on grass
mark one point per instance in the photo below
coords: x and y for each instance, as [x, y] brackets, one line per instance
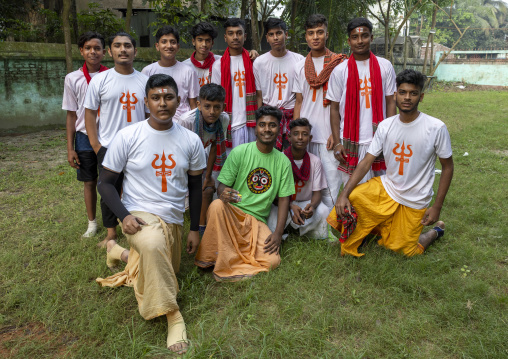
[33, 152]
[460, 87]
[34, 339]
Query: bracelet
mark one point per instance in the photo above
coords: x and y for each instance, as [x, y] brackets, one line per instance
[338, 144]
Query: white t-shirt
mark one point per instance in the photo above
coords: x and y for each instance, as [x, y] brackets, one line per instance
[316, 182]
[409, 177]
[239, 113]
[121, 101]
[186, 81]
[188, 119]
[75, 86]
[140, 151]
[275, 77]
[312, 105]
[337, 86]
[202, 74]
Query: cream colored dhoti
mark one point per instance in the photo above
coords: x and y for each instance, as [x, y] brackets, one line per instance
[154, 258]
[234, 243]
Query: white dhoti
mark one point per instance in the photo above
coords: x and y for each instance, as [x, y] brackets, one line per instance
[314, 227]
[332, 174]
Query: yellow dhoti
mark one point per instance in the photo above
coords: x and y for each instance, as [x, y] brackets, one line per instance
[154, 258]
[399, 226]
[233, 242]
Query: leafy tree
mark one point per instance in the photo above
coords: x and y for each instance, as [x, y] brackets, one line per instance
[104, 21]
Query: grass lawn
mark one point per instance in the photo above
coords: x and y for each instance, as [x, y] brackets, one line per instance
[451, 302]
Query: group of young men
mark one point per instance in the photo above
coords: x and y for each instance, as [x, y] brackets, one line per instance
[273, 137]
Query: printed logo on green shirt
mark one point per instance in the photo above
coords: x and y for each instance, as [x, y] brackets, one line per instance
[259, 180]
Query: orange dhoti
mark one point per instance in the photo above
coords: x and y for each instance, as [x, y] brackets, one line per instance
[233, 242]
[399, 226]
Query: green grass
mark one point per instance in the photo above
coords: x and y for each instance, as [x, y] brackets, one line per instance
[315, 305]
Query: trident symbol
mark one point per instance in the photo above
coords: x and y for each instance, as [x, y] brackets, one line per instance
[280, 84]
[163, 167]
[366, 91]
[299, 184]
[128, 104]
[239, 81]
[402, 155]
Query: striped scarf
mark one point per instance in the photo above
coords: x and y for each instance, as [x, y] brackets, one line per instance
[315, 81]
[200, 127]
[250, 90]
[351, 131]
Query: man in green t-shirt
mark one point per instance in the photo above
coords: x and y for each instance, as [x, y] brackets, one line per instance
[237, 240]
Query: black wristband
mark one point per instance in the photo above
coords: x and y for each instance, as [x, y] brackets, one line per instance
[195, 198]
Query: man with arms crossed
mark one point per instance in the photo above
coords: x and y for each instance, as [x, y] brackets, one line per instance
[361, 91]
[161, 162]
[80, 154]
[275, 74]
[118, 93]
[234, 72]
[237, 240]
[168, 45]
[210, 123]
[397, 203]
[310, 87]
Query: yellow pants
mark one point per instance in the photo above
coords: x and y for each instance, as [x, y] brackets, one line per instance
[154, 258]
[399, 226]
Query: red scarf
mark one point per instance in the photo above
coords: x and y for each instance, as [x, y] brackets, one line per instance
[87, 75]
[302, 173]
[207, 64]
[352, 114]
[250, 89]
[315, 82]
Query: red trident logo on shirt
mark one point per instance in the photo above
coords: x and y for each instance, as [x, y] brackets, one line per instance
[366, 90]
[128, 104]
[299, 184]
[163, 169]
[239, 82]
[203, 81]
[402, 159]
[279, 83]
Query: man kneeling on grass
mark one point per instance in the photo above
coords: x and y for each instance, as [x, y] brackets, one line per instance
[307, 212]
[210, 123]
[237, 240]
[161, 162]
[395, 205]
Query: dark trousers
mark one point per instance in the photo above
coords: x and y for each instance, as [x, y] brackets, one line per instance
[109, 219]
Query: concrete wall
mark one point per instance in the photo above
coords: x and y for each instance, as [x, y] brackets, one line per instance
[32, 79]
[493, 73]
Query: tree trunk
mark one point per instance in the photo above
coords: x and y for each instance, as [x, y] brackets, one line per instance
[387, 31]
[128, 16]
[292, 40]
[434, 15]
[67, 33]
[203, 6]
[74, 14]
[243, 9]
[254, 25]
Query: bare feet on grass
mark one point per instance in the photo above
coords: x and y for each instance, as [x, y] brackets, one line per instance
[110, 236]
[427, 238]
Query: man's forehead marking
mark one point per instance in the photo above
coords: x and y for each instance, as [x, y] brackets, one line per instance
[359, 29]
[162, 90]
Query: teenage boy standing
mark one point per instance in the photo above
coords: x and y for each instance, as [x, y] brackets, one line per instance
[235, 73]
[311, 84]
[80, 154]
[168, 45]
[275, 74]
[118, 93]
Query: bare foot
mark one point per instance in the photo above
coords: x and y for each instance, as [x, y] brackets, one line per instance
[179, 348]
[111, 236]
